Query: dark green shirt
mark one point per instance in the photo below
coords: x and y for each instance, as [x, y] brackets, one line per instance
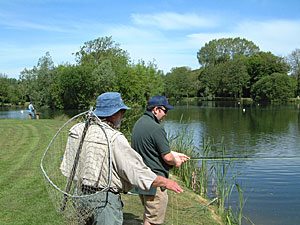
[149, 139]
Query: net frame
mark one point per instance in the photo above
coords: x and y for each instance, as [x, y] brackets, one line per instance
[66, 194]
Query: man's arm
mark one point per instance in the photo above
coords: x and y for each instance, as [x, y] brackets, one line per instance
[167, 183]
[175, 158]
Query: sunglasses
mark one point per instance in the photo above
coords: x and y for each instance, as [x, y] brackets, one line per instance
[164, 110]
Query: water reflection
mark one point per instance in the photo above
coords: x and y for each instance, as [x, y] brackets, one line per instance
[245, 133]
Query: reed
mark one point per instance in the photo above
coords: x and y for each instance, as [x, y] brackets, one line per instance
[238, 216]
[224, 175]
[182, 141]
[196, 175]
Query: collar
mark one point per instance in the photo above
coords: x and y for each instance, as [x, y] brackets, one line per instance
[109, 123]
[150, 114]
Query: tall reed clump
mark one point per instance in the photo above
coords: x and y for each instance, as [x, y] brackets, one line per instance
[182, 141]
[196, 174]
[202, 173]
[223, 177]
[236, 217]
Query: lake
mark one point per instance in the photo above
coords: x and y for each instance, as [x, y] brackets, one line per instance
[259, 132]
[272, 186]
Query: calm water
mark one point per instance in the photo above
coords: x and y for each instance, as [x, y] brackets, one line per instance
[272, 185]
[22, 113]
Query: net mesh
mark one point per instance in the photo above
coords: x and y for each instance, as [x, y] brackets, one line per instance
[77, 167]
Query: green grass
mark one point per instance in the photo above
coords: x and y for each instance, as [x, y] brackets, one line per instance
[186, 208]
[23, 194]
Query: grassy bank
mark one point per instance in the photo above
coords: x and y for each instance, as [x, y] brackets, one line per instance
[23, 195]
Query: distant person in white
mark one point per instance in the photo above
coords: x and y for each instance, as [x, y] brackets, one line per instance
[31, 110]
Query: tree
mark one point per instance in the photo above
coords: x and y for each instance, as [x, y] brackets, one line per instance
[137, 83]
[35, 82]
[9, 90]
[265, 63]
[209, 81]
[224, 49]
[94, 52]
[233, 78]
[105, 77]
[277, 86]
[75, 87]
[180, 83]
[294, 62]
[227, 79]
[3, 88]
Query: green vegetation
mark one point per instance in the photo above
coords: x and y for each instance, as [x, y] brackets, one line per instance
[228, 67]
[186, 208]
[23, 194]
[197, 173]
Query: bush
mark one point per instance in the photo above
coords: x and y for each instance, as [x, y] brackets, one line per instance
[277, 86]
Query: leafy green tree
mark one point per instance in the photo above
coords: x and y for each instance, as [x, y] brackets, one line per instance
[9, 90]
[264, 64]
[277, 86]
[137, 83]
[180, 82]
[75, 87]
[209, 81]
[223, 67]
[3, 89]
[94, 52]
[36, 81]
[233, 78]
[14, 93]
[105, 77]
[224, 49]
[294, 61]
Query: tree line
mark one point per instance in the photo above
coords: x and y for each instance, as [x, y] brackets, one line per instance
[235, 67]
[231, 67]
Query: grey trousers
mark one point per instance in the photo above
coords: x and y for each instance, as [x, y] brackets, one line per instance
[103, 208]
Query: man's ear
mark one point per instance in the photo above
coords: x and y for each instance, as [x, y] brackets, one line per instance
[154, 110]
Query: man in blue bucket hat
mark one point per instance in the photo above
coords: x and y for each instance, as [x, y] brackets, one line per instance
[149, 139]
[128, 168]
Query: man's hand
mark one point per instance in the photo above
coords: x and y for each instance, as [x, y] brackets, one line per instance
[173, 186]
[175, 158]
[161, 181]
[180, 158]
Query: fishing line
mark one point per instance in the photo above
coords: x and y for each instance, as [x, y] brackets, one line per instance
[242, 158]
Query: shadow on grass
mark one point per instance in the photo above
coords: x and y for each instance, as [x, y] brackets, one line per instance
[131, 219]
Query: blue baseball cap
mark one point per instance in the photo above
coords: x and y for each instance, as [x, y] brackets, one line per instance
[108, 104]
[159, 100]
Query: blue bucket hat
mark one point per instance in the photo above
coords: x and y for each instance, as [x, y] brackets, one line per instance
[108, 104]
[159, 100]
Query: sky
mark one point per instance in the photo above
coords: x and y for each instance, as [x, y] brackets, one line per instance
[166, 32]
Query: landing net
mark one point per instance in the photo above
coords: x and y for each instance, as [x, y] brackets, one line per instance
[77, 166]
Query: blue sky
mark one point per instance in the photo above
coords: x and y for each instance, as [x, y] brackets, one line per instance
[167, 31]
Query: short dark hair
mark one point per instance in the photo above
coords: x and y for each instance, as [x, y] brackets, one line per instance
[150, 108]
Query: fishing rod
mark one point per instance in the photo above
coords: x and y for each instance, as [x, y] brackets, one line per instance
[241, 158]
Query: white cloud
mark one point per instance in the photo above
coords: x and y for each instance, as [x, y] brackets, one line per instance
[174, 21]
[280, 37]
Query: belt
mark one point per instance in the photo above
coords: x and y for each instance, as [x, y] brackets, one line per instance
[95, 189]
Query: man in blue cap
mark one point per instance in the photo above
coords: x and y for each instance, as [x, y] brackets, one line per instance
[128, 168]
[149, 139]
